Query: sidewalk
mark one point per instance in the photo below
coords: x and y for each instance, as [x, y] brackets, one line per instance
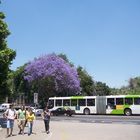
[77, 131]
[38, 130]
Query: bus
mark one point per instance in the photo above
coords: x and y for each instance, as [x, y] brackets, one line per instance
[112, 104]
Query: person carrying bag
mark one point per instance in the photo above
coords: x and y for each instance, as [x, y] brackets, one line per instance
[46, 118]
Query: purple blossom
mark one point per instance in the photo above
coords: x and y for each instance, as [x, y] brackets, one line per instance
[65, 77]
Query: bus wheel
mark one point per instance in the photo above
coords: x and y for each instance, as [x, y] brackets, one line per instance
[127, 112]
[86, 111]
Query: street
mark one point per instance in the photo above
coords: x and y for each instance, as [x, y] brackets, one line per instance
[71, 128]
[99, 119]
[117, 119]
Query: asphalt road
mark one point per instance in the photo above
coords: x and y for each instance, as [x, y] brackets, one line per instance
[99, 119]
[91, 119]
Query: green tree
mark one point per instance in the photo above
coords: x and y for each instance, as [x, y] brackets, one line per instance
[133, 86]
[6, 57]
[102, 89]
[86, 82]
[134, 83]
[21, 86]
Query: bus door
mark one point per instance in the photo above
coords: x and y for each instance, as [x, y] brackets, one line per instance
[78, 105]
[74, 105]
[110, 105]
[136, 107]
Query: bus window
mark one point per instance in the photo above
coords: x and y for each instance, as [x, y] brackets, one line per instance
[82, 102]
[110, 103]
[74, 102]
[51, 104]
[66, 102]
[119, 101]
[137, 101]
[58, 102]
[90, 102]
[128, 101]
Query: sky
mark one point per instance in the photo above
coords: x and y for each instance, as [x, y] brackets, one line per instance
[102, 36]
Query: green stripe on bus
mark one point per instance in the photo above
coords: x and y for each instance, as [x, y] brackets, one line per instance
[77, 97]
[132, 96]
[117, 111]
[120, 111]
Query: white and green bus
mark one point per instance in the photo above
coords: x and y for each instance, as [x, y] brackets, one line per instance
[113, 104]
[123, 104]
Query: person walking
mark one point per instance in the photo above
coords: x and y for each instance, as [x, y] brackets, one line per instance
[10, 115]
[21, 117]
[30, 119]
[27, 109]
[46, 118]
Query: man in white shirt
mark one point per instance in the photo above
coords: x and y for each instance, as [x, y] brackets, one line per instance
[10, 114]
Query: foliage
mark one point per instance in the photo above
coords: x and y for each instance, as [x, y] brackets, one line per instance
[52, 75]
[133, 88]
[64, 57]
[134, 83]
[21, 86]
[6, 57]
[102, 89]
[86, 82]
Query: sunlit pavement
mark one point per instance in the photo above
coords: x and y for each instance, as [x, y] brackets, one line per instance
[73, 130]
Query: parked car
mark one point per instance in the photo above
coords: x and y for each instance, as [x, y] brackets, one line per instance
[62, 111]
[37, 111]
[4, 106]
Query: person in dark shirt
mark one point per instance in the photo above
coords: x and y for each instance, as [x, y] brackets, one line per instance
[46, 118]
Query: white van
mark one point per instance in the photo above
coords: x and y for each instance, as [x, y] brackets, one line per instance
[4, 106]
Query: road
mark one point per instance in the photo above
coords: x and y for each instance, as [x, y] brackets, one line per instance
[99, 119]
[95, 119]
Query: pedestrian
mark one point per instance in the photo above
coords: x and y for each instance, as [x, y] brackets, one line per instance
[21, 118]
[27, 112]
[46, 118]
[30, 119]
[10, 115]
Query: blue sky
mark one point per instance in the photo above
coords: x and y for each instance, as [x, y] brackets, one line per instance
[102, 36]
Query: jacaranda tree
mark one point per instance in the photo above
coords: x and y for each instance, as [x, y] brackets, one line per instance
[52, 76]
